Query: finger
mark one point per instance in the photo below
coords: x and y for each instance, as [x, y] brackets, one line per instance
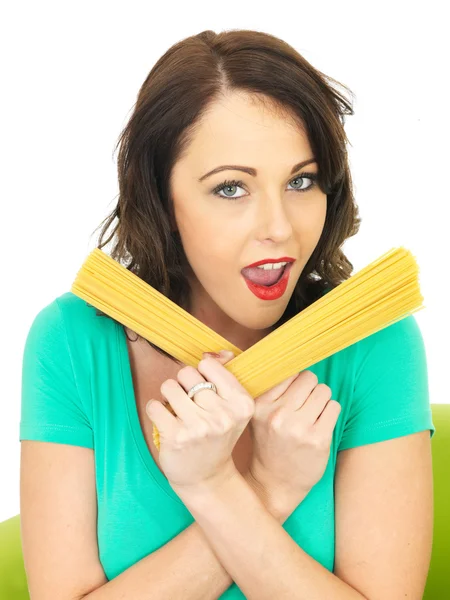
[315, 404]
[213, 402]
[299, 393]
[224, 356]
[205, 400]
[292, 393]
[275, 393]
[166, 423]
[211, 369]
[326, 422]
[231, 393]
[174, 391]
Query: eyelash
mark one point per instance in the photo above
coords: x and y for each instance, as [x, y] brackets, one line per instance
[239, 183]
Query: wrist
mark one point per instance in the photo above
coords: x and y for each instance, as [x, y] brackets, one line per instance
[279, 510]
[205, 489]
[278, 499]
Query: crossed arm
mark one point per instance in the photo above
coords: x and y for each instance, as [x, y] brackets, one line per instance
[384, 522]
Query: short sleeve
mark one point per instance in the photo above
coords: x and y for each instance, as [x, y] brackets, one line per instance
[391, 395]
[51, 409]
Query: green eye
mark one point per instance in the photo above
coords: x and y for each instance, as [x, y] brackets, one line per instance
[231, 183]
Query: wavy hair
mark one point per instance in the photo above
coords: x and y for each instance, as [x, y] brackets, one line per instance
[163, 123]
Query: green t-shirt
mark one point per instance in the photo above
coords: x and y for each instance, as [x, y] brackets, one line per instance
[77, 389]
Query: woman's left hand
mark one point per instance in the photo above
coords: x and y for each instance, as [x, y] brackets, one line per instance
[291, 429]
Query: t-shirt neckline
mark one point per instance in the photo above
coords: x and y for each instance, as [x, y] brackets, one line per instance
[133, 417]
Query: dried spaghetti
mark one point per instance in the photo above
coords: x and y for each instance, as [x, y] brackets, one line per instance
[382, 293]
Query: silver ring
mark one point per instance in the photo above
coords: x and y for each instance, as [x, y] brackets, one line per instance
[204, 385]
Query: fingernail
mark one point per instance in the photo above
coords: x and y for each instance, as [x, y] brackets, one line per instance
[213, 354]
[226, 353]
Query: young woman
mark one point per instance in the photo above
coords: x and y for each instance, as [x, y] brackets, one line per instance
[322, 487]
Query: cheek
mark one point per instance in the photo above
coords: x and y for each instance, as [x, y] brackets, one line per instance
[202, 237]
[309, 226]
[312, 218]
[195, 226]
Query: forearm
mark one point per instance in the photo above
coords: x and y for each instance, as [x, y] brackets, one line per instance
[186, 567]
[260, 556]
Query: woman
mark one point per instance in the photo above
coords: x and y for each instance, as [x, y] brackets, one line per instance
[235, 154]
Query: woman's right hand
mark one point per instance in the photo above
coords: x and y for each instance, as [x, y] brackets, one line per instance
[292, 429]
[198, 438]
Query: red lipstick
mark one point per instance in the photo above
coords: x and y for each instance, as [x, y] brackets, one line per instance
[271, 260]
[272, 292]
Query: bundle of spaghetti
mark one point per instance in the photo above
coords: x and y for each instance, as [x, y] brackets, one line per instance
[379, 295]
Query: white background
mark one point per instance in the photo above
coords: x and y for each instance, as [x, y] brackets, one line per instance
[70, 75]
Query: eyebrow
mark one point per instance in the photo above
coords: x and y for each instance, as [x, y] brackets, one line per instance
[251, 170]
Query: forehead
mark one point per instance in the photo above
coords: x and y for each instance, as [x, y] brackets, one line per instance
[246, 128]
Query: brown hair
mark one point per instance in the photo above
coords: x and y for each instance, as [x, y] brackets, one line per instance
[179, 89]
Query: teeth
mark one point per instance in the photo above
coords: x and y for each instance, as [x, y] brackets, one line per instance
[269, 266]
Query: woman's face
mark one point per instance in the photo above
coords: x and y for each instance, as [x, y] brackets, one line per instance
[262, 217]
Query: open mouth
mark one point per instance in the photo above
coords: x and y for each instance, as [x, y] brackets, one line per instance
[265, 277]
[280, 275]
[268, 291]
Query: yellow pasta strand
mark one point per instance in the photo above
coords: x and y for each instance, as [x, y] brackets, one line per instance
[380, 294]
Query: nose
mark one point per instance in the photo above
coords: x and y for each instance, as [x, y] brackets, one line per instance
[274, 220]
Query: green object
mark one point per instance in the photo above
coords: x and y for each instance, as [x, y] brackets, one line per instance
[77, 388]
[438, 582]
[13, 584]
[13, 581]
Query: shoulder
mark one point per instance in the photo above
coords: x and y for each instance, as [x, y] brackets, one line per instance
[69, 329]
[78, 322]
[405, 329]
[395, 344]
[75, 309]
[67, 309]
